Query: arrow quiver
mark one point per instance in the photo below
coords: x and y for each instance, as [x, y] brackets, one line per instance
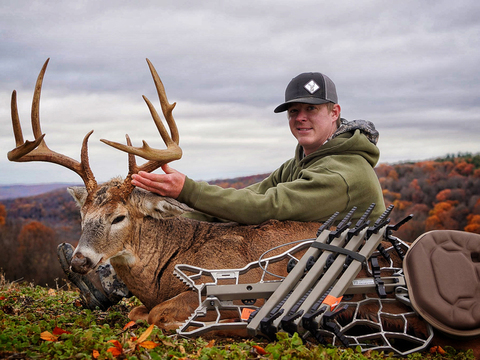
[311, 299]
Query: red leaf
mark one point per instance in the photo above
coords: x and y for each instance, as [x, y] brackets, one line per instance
[437, 349]
[114, 351]
[129, 325]
[117, 349]
[260, 350]
[116, 344]
[58, 331]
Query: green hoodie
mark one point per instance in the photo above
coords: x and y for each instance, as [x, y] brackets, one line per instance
[336, 177]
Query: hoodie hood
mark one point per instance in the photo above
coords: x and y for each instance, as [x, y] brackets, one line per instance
[352, 137]
[365, 127]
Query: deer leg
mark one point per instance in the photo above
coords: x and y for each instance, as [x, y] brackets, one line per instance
[139, 313]
[170, 314]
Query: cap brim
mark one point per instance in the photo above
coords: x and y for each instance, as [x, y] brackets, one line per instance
[306, 100]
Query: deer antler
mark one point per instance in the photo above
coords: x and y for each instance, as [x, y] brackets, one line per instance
[38, 150]
[156, 157]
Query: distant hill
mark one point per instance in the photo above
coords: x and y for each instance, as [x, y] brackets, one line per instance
[17, 191]
[441, 194]
[25, 191]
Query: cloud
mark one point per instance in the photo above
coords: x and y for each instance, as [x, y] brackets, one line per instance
[409, 67]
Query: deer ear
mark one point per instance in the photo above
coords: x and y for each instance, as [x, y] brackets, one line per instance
[161, 207]
[79, 194]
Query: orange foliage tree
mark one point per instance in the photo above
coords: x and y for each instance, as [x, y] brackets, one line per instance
[441, 194]
[473, 223]
[3, 214]
[36, 253]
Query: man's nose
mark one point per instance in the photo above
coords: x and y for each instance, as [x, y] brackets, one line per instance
[301, 115]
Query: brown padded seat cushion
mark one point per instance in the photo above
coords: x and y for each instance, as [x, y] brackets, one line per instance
[442, 271]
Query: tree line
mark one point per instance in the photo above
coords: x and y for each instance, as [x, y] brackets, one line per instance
[440, 194]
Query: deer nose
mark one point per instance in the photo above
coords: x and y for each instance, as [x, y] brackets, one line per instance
[81, 264]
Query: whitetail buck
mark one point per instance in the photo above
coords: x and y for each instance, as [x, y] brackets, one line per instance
[142, 234]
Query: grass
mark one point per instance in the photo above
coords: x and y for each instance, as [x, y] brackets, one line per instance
[43, 323]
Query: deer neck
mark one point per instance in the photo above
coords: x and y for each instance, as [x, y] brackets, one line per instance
[151, 253]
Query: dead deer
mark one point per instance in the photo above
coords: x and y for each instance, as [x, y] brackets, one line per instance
[142, 234]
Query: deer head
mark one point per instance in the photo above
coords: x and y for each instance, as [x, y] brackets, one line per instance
[103, 207]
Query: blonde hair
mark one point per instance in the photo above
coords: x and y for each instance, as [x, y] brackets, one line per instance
[330, 106]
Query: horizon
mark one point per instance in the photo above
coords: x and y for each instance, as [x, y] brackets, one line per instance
[460, 154]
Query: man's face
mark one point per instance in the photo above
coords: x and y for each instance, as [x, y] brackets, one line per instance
[312, 125]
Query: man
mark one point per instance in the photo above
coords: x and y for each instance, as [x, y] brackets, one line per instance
[332, 169]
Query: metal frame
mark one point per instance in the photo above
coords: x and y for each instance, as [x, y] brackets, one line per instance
[297, 303]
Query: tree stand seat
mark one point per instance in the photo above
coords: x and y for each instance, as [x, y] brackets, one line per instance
[442, 272]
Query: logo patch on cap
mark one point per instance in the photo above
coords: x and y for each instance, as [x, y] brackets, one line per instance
[311, 86]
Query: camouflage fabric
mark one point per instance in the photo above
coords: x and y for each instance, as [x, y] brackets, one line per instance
[366, 127]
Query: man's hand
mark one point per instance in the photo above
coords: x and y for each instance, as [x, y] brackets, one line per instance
[169, 184]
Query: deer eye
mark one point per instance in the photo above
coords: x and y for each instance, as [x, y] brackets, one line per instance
[118, 219]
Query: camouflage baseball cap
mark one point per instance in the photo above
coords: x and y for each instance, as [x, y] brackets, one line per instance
[309, 88]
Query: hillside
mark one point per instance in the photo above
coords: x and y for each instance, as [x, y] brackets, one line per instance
[16, 191]
[441, 194]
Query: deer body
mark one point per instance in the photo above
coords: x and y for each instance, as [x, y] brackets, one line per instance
[144, 238]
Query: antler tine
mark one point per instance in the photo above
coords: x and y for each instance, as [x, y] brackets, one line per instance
[37, 131]
[156, 157]
[167, 108]
[22, 147]
[38, 150]
[17, 129]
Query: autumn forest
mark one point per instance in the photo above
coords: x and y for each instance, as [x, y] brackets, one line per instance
[440, 194]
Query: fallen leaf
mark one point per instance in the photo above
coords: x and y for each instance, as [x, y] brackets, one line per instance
[182, 349]
[168, 343]
[115, 343]
[117, 348]
[59, 331]
[260, 350]
[148, 344]
[95, 354]
[129, 325]
[114, 351]
[437, 349]
[48, 336]
[145, 334]
[211, 343]
[51, 292]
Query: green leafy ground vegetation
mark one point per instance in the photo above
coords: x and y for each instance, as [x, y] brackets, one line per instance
[49, 323]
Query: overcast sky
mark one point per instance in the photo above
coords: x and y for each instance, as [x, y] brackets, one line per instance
[411, 67]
